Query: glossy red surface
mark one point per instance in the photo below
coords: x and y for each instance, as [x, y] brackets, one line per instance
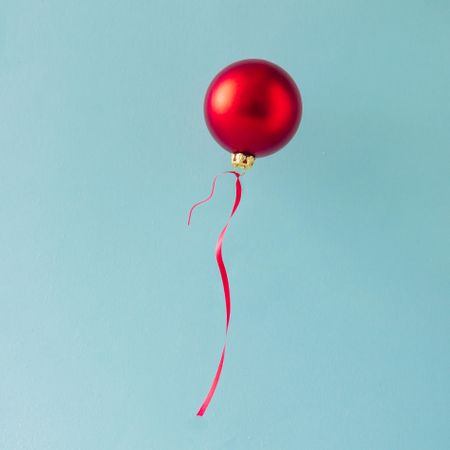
[253, 106]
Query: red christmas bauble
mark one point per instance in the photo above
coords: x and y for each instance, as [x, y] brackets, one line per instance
[253, 107]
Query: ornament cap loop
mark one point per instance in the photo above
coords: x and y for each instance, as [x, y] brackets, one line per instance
[242, 161]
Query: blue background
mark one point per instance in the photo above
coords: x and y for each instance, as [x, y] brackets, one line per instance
[111, 309]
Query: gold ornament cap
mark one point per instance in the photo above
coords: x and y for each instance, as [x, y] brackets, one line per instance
[242, 161]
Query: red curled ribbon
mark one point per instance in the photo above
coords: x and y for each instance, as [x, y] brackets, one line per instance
[226, 286]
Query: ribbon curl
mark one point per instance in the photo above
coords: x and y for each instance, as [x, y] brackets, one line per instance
[225, 283]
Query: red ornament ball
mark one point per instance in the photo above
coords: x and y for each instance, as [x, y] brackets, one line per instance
[253, 107]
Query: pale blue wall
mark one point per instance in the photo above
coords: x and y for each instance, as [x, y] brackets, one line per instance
[111, 310]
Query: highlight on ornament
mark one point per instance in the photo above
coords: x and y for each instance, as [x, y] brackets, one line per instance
[252, 109]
